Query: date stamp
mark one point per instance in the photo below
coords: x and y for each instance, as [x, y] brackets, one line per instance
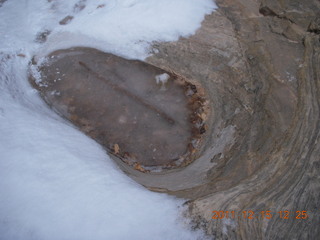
[249, 214]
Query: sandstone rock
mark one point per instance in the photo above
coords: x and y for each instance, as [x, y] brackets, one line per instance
[260, 62]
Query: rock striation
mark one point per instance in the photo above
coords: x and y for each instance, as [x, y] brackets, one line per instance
[260, 61]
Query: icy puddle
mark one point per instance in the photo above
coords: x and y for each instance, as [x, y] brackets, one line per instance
[147, 117]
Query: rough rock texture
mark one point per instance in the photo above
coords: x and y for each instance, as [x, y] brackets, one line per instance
[260, 63]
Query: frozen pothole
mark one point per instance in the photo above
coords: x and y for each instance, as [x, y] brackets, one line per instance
[149, 118]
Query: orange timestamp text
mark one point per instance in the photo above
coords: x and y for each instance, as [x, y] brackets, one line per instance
[249, 214]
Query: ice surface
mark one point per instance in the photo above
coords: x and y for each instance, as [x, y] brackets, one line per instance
[117, 103]
[56, 183]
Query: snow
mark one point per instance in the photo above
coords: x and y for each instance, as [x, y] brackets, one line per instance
[127, 27]
[55, 182]
[162, 79]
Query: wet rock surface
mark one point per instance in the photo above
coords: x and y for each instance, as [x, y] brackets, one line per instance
[259, 61]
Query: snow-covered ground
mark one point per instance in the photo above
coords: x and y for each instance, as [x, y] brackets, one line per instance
[56, 183]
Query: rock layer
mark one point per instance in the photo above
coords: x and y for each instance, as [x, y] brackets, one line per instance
[260, 62]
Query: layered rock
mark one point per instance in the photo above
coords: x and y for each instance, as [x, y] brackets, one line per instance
[259, 61]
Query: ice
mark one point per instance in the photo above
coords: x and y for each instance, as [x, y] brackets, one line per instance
[56, 183]
[162, 78]
[117, 103]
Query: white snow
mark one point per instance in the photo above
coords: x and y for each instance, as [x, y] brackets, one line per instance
[127, 27]
[56, 183]
[162, 78]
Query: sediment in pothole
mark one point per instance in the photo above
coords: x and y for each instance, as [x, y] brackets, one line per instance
[149, 118]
